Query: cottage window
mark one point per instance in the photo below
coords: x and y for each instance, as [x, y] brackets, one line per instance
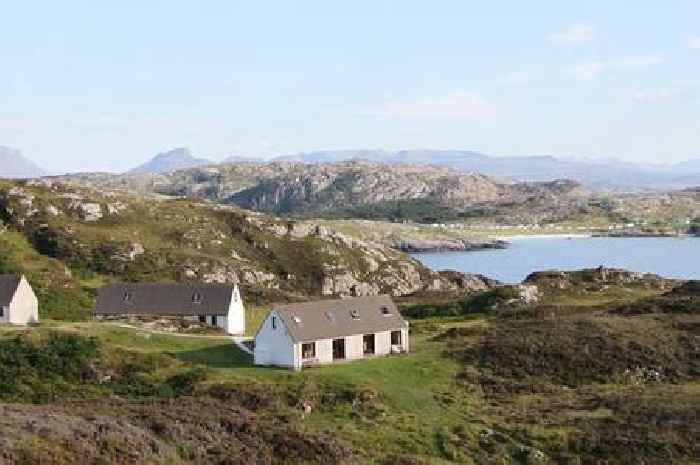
[213, 320]
[368, 344]
[274, 322]
[202, 318]
[308, 350]
[396, 338]
[2, 312]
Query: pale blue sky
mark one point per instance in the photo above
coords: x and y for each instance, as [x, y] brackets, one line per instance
[84, 86]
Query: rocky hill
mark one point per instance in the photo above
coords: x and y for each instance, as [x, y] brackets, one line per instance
[351, 189]
[69, 239]
[14, 165]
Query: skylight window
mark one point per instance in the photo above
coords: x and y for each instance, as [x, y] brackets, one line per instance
[385, 311]
[128, 297]
[330, 317]
[296, 319]
[355, 314]
[197, 298]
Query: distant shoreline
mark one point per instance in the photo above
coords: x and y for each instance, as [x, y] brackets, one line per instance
[544, 236]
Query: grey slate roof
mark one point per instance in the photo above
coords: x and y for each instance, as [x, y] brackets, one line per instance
[327, 319]
[8, 287]
[163, 299]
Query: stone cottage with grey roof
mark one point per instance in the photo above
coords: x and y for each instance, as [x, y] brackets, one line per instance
[214, 304]
[18, 303]
[328, 331]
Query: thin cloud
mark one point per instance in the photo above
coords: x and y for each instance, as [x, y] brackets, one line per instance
[576, 34]
[593, 69]
[695, 43]
[468, 105]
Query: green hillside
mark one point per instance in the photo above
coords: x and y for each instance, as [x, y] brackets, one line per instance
[507, 384]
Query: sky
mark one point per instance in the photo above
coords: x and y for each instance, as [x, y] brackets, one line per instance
[88, 85]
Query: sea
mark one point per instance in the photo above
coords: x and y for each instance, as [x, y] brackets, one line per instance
[671, 257]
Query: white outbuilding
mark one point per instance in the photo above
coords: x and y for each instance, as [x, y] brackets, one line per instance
[18, 303]
[213, 304]
[329, 331]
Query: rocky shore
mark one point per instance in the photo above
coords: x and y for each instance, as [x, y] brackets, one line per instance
[627, 233]
[447, 245]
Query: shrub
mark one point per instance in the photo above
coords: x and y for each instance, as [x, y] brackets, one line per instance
[44, 370]
[580, 351]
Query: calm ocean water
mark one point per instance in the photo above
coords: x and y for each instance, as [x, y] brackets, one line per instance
[669, 257]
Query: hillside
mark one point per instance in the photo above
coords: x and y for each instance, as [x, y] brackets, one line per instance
[356, 189]
[71, 239]
[599, 175]
[14, 165]
[599, 366]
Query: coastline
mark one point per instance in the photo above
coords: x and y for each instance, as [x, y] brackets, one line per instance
[544, 236]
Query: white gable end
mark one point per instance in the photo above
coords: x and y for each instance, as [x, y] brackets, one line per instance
[235, 319]
[274, 345]
[24, 307]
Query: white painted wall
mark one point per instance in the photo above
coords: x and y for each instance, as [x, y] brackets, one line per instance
[353, 347]
[24, 308]
[324, 352]
[382, 343]
[235, 320]
[274, 345]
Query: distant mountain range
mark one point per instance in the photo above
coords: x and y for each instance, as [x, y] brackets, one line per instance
[595, 174]
[14, 165]
[173, 160]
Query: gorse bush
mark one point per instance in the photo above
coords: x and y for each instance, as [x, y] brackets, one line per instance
[40, 371]
[69, 366]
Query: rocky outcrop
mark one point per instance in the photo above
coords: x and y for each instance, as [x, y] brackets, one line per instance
[447, 245]
[88, 211]
[595, 279]
[293, 188]
[145, 240]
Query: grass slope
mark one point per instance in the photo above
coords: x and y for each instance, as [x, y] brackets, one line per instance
[487, 388]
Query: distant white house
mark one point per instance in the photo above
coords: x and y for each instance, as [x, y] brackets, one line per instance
[18, 303]
[213, 304]
[328, 331]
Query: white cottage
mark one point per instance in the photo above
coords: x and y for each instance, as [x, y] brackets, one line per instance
[18, 303]
[328, 331]
[214, 304]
